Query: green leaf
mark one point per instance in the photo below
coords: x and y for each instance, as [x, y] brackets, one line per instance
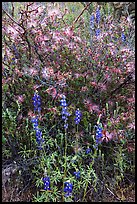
[109, 123]
[5, 87]
[3, 140]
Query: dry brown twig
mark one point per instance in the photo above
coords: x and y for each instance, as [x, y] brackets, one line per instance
[80, 15]
[12, 18]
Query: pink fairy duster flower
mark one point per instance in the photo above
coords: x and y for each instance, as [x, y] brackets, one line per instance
[131, 100]
[40, 9]
[62, 83]
[58, 37]
[51, 71]
[77, 39]
[54, 12]
[60, 76]
[18, 72]
[131, 146]
[20, 98]
[30, 71]
[102, 86]
[12, 31]
[106, 136]
[47, 72]
[68, 74]
[68, 32]
[131, 126]
[31, 114]
[117, 71]
[41, 38]
[77, 75]
[95, 108]
[33, 71]
[106, 68]
[52, 91]
[78, 57]
[91, 107]
[84, 88]
[4, 81]
[31, 23]
[71, 45]
[93, 83]
[130, 66]
[53, 110]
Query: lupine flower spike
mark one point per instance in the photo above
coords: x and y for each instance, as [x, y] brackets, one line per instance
[46, 181]
[98, 135]
[92, 21]
[77, 174]
[88, 150]
[64, 112]
[35, 123]
[37, 102]
[97, 32]
[37, 107]
[97, 21]
[39, 138]
[123, 37]
[78, 116]
[68, 188]
[97, 16]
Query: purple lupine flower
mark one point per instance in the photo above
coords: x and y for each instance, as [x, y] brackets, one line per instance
[13, 61]
[63, 101]
[97, 32]
[68, 189]
[92, 21]
[66, 125]
[78, 116]
[15, 51]
[123, 37]
[64, 112]
[77, 174]
[39, 138]
[35, 122]
[37, 102]
[97, 16]
[73, 9]
[88, 150]
[46, 181]
[5, 57]
[98, 134]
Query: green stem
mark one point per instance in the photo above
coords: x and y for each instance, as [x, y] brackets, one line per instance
[90, 167]
[77, 138]
[65, 153]
[65, 166]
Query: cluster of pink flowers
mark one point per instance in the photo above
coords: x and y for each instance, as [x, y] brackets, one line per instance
[63, 56]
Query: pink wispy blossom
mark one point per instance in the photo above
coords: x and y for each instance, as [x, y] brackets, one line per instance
[20, 98]
[84, 88]
[52, 91]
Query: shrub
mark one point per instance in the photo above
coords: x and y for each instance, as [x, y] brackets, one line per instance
[44, 56]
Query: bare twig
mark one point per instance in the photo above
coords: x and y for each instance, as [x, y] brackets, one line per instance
[81, 14]
[6, 65]
[12, 3]
[29, 4]
[126, 81]
[12, 19]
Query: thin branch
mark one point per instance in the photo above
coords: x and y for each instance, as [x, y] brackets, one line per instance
[12, 19]
[81, 14]
[6, 65]
[29, 4]
[12, 3]
[128, 79]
